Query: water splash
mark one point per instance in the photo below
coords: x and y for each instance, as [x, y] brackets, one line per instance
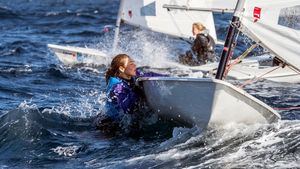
[87, 105]
[147, 48]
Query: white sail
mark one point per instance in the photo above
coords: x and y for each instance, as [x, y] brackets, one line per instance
[223, 4]
[152, 15]
[276, 25]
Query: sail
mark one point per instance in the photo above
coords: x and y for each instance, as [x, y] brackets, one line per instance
[151, 14]
[222, 4]
[276, 25]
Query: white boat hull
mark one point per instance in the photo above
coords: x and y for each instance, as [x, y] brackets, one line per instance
[69, 55]
[204, 101]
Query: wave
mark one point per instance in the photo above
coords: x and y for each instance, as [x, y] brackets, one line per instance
[87, 33]
[52, 135]
[6, 13]
[232, 146]
[18, 47]
[19, 91]
[15, 70]
[57, 72]
[30, 128]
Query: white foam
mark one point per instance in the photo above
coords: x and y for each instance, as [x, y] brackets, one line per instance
[68, 151]
[27, 104]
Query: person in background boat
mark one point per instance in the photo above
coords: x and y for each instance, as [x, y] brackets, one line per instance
[202, 50]
[123, 96]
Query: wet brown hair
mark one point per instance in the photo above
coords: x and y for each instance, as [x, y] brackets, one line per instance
[113, 70]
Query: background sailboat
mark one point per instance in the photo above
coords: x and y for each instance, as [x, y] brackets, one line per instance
[175, 18]
[149, 14]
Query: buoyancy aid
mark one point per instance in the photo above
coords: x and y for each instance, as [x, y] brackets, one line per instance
[121, 98]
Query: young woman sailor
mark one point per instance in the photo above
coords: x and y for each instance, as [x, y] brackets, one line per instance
[123, 96]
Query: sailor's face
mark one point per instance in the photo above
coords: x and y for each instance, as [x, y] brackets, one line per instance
[130, 67]
[195, 31]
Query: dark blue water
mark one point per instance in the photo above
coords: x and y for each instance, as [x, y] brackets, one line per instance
[47, 108]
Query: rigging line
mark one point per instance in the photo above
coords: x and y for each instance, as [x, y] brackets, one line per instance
[187, 13]
[245, 54]
[257, 78]
[176, 25]
[241, 57]
[191, 18]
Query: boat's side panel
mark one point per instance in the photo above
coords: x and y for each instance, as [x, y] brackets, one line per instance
[205, 101]
[231, 105]
[66, 57]
[183, 101]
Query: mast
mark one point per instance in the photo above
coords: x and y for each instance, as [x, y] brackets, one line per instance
[231, 33]
[117, 30]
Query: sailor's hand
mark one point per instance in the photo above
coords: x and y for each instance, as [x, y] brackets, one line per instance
[138, 82]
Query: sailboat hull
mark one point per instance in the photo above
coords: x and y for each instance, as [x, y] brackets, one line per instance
[204, 101]
[69, 55]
